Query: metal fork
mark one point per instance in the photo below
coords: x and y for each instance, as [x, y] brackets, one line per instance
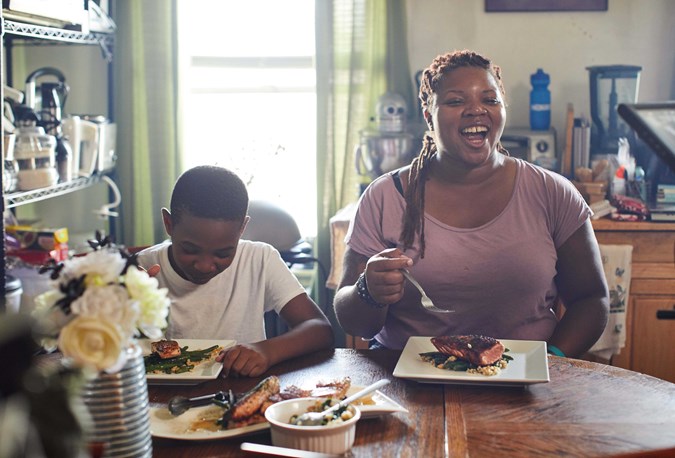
[427, 303]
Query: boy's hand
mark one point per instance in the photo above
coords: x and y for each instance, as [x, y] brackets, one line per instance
[243, 359]
[153, 270]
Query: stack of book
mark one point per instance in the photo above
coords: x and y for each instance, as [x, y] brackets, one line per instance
[601, 208]
[592, 191]
[662, 212]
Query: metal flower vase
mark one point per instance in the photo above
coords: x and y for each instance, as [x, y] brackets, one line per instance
[120, 410]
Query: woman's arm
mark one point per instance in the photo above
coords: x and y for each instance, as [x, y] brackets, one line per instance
[385, 285]
[582, 286]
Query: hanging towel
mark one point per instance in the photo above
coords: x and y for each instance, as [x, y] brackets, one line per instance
[616, 261]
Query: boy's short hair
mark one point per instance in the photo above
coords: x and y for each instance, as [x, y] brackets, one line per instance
[208, 191]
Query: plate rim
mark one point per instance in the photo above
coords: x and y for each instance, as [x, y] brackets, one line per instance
[369, 412]
[205, 435]
[535, 346]
[373, 411]
[186, 378]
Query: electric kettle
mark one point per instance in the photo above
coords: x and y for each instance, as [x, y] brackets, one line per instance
[52, 97]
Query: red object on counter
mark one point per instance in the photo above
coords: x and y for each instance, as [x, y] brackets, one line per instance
[40, 257]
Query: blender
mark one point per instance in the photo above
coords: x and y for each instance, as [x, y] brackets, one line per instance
[610, 85]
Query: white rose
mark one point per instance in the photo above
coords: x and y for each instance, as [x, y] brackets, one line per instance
[153, 301]
[100, 267]
[91, 342]
[50, 318]
[110, 302]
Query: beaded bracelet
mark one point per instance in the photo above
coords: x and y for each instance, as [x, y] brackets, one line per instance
[364, 294]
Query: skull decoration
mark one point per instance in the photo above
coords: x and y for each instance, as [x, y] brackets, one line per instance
[391, 112]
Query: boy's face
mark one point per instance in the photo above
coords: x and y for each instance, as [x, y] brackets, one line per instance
[202, 247]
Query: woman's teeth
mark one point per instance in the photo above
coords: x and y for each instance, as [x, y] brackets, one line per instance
[475, 135]
[475, 130]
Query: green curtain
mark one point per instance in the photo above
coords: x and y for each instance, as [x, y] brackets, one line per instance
[146, 110]
[361, 54]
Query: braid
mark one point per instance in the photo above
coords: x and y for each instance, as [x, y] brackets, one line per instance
[413, 216]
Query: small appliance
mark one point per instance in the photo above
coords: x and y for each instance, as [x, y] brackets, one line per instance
[391, 142]
[536, 146]
[106, 156]
[49, 109]
[84, 140]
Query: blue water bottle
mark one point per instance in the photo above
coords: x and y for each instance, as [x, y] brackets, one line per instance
[540, 101]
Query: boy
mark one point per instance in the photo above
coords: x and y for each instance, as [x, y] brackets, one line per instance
[221, 286]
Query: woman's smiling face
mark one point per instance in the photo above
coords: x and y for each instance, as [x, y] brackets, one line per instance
[467, 115]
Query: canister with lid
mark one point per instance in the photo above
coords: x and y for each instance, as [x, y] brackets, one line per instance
[34, 153]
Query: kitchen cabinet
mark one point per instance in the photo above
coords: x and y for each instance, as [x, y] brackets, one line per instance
[24, 33]
[650, 342]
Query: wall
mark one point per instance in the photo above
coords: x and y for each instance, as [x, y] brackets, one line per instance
[562, 43]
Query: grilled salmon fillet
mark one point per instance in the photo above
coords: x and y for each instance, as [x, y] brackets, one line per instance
[252, 401]
[166, 348]
[476, 349]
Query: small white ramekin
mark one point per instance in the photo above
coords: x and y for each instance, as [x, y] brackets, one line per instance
[336, 439]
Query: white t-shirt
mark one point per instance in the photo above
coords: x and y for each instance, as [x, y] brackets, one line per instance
[233, 303]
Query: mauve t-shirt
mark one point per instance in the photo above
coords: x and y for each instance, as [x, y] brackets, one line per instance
[499, 277]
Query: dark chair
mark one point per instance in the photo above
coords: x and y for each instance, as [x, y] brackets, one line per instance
[271, 224]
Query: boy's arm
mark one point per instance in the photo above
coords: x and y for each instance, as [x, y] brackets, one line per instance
[309, 331]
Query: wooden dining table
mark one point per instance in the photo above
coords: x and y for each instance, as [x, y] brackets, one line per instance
[585, 410]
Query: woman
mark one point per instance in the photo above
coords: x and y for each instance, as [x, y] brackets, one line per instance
[494, 238]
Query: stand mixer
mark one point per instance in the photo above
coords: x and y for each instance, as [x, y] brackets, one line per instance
[391, 143]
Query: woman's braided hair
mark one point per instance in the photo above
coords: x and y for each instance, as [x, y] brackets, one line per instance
[413, 217]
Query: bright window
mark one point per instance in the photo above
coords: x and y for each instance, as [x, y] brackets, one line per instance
[249, 92]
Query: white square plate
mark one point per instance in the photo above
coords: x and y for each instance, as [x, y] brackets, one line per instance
[207, 370]
[529, 365]
[163, 424]
[381, 404]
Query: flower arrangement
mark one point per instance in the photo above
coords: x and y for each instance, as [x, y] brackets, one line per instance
[98, 305]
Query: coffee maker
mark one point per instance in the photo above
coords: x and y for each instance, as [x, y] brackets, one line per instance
[49, 108]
